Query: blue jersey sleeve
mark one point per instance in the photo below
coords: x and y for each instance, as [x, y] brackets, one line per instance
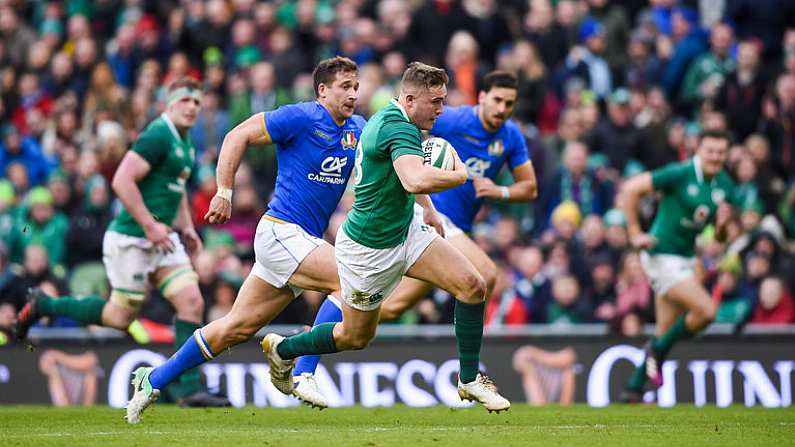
[285, 123]
[517, 153]
[446, 122]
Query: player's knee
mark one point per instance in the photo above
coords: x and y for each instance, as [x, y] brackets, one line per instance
[489, 273]
[390, 312]
[708, 312]
[473, 288]
[354, 340]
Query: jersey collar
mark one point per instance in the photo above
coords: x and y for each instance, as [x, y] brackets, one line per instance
[171, 126]
[396, 103]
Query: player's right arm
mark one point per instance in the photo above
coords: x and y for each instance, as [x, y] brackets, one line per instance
[631, 192]
[131, 170]
[250, 132]
[419, 178]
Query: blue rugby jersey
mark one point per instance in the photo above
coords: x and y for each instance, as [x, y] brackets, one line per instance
[315, 158]
[484, 154]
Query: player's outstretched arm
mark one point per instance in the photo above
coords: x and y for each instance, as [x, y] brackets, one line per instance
[631, 192]
[419, 178]
[523, 189]
[250, 132]
[131, 170]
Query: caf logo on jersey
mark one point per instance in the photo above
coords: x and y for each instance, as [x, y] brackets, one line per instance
[348, 140]
[496, 148]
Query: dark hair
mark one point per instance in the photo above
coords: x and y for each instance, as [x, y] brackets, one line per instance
[184, 82]
[499, 78]
[326, 71]
[422, 75]
[716, 134]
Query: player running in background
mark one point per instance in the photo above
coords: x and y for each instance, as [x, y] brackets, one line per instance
[140, 247]
[315, 149]
[693, 193]
[486, 140]
[383, 239]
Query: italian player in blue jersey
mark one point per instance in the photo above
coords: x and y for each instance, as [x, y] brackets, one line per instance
[486, 140]
[315, 150]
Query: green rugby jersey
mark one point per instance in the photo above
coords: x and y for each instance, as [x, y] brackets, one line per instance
[688, 204]
[171, 158]
[383, 209]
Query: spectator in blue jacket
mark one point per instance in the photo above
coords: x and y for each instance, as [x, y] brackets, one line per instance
[27, 151]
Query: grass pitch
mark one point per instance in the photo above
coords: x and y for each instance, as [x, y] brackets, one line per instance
[165, 425]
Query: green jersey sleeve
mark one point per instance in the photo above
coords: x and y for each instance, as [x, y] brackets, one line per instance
[152, 147]
[402, 138]
[665, 178]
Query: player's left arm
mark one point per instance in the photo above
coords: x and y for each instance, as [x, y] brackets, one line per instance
[185, 223]
[429, 214]
[525, 186]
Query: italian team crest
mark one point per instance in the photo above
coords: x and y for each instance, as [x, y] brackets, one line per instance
[348, 140]
[496, 148]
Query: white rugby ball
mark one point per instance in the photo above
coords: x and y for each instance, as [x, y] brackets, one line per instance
[437, 153]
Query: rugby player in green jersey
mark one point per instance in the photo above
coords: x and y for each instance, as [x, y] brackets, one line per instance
[694, 193]
[382, 239]
[141, 246]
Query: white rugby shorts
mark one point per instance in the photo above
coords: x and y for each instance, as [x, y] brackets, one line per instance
[665, 270]
[279, 248]
[129, 260]
[450, 229]
[368, 275]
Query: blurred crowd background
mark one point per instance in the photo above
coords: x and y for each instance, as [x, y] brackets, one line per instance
[607, 89]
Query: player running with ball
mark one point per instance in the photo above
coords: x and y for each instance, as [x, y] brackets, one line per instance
[693, 193]
[383, 239]
[486, 140]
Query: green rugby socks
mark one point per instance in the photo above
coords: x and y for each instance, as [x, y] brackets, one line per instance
[678, 331]
[469, 335]
[318, 340]
[85, 310]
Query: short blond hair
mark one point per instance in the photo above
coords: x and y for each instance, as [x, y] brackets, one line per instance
[419, 75]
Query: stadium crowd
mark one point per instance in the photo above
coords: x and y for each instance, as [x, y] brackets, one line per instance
[607, 89]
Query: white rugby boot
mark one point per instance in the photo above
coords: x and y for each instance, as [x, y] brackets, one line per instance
[483, 390]
[281, 370]
[307, 391]
[143, 396]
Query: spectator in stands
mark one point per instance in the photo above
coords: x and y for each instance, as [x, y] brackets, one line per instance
[601, 292]
[643, 67]
[690, 42]
[38, 223]
[463, 65]
[776, 305]
[707, 73]
[778, 125]
[568, 305]
[740, 96]
[575, 182]
[586, 62]
[547, 35]
[531, 284]
[87, 225]
[35, 272]
[262, 96]
[614, 20]
[533, 101]
[211, 127]
[105, 99]
[17, 37]
[14, 148]
[616, 135]
[31, 98]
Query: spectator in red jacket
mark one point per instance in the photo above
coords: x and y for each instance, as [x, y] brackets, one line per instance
[776, 305]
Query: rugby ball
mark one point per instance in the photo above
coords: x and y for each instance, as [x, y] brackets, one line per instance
[437, 153]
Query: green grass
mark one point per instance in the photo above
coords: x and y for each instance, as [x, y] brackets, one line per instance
[163, 425]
